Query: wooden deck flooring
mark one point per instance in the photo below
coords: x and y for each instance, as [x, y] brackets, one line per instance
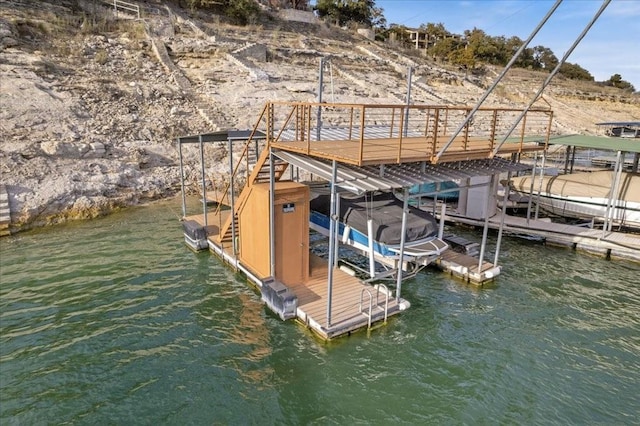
[397, 150]
[312, 295]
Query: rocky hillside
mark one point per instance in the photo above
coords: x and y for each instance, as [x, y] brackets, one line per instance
[92, 102]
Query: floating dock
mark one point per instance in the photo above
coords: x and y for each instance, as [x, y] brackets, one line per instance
[260, 224]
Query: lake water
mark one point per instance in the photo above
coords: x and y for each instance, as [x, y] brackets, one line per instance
[115, 321]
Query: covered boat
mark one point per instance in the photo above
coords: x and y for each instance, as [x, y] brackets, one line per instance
[384, 211]
[587, 195]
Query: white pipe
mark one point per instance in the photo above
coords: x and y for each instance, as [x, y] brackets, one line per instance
[443, 211]
[372, 262]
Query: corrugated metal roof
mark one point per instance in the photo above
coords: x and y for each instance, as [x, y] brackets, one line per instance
[394, 176]
[597, 142]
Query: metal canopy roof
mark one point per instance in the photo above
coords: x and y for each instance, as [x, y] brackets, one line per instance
[223, 136]
[394, 176]
[598, 142]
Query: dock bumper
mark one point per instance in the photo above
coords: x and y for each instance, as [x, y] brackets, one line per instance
[279, 298]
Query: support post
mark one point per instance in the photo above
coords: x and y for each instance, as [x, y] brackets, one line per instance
[505, 200]
[204, 185]
[443, 213]
[272, 214]
[485, 231]
[184, 196]
[320, 85]
[232, 198]
[544, 160]
[533, 177]
[332, 226]
[405, 214]
[372, 260]
[406, 111]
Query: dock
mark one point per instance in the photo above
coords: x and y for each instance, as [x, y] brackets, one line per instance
[609, 244]
[354, 304]
[260, 223]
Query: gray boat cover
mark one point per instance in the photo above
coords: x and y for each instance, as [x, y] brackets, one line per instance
[386, 212]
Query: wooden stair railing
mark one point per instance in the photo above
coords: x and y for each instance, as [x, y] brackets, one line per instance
[259, 174]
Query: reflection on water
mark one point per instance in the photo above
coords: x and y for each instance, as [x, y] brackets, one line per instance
[115, 321]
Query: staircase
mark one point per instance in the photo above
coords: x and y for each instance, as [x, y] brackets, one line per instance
[259, 174]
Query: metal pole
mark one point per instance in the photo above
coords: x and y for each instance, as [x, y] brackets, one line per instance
[320, 84]
[505, 200]
[184, 197]
[272, 214]
[544, 160]
[232, 198]
[485, 232]
[337, 233]
[533, 177]
[204, 185]
[616, 190]
[405, 214]
[406, 113]
[332, 226]
[495, 83]
[443, 213]
[553, 73]
[372, 258]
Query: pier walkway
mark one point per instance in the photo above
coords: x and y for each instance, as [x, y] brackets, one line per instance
[607, 243]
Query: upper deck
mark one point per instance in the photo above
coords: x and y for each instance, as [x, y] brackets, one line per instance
[361, 134]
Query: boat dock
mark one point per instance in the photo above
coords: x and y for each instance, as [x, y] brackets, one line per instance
[260, 224]
[610, 244]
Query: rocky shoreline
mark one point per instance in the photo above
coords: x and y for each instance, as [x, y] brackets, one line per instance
[89, 121]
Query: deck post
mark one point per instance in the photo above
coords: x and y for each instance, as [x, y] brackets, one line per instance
[332, 226]
[184, 197]
[485, 231]
[405, 214]
[272, 214]
[320, 84]
[615, 190]
[505, 199]
[337, 234]
[232, 197]
[406, 112]
[204, 185]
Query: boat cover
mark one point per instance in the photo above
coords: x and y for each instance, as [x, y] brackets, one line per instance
[385, 210]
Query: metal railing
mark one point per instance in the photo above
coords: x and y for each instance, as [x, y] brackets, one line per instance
[124, 6]
[300, 125]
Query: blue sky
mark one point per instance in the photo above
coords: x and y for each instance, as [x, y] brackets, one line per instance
[612, 45]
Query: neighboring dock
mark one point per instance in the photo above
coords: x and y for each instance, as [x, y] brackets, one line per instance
[595, 241]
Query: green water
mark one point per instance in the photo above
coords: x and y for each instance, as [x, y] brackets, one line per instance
[115, 321]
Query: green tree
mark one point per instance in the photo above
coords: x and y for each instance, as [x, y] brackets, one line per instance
[616, 81]
[544, 58]
[575, 72]
[341, 12]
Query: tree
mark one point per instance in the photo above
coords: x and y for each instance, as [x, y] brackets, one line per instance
[544, 58]
[617, 81]
[341, 12]
[575, 72]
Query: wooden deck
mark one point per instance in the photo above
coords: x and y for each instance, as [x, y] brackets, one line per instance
[401, 150]
[346, 315]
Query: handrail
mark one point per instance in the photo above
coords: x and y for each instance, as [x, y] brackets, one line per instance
[126, 6]
[244, 153]
[370, 305]
[386, 299]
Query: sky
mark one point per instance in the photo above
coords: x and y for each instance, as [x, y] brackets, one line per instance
[611, 46]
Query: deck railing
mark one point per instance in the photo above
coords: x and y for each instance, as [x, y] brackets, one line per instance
[124, 6]
[406, 132]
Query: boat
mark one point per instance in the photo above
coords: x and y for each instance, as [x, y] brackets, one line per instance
[379, 215]
[586, 195]
[447, 191]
